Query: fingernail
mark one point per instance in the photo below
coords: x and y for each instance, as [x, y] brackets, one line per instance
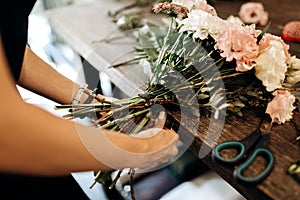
[161, 115]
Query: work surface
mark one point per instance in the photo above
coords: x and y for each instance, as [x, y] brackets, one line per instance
[84, 26]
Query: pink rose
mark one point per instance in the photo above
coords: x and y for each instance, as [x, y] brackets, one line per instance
[281, 107]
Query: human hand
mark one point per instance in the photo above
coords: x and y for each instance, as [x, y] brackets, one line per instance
[158, 125]
[161, 143]
[163, 146]
[145, 150]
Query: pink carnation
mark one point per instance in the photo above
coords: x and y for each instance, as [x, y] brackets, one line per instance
[253, 13]
[281, 107]
[238, 43]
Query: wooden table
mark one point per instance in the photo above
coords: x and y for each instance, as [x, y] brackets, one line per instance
[82, 26]
[85, 26]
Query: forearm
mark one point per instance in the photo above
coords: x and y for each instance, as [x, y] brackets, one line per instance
[35, 141]
[42, 144]
[39, 77]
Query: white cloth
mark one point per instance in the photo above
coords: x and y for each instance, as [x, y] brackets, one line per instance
[208, 186]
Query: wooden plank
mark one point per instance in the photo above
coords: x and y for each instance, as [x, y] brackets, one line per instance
[83, 26]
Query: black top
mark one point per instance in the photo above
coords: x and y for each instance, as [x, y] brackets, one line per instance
[14, 25]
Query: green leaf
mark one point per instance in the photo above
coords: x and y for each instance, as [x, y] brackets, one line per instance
[296, 85]
[263, 32]
[202, 96]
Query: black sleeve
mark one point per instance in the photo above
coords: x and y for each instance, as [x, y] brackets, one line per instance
[14, 26]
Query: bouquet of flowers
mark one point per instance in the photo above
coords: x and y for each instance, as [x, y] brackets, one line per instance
[202, 64]
[275, 75]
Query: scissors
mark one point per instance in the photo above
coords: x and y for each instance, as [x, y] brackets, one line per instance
[249, 148]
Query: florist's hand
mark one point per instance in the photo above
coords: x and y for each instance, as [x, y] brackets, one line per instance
[159, 124]
[143, 151]
[161, 143]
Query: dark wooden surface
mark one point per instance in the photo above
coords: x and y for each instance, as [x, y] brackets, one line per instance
[278, 185]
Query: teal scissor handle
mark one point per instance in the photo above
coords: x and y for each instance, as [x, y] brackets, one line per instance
[266, 154]
[229, 145]
[242, 146]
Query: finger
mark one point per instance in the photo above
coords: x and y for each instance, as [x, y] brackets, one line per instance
[164, 160]
[174, 151]
[147, 133]
[160, 120]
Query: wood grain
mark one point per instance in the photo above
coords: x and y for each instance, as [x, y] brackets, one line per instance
[278, 185]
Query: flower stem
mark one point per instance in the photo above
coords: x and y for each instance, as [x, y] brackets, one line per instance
[114, 122]
[131, 184]
[112, 185]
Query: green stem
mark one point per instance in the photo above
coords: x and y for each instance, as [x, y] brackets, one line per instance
[112, 185]
[141, 124]
[100, 177]
[68, 106]
[131, 184]
[111, 112]
[162, 52]
[81, 112]
[131, 61]
[126, 101]
[114, 122]
[93, 184]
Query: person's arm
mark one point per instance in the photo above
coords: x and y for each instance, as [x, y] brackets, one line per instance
[54, 86]
[33, 141]
[41, 78]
